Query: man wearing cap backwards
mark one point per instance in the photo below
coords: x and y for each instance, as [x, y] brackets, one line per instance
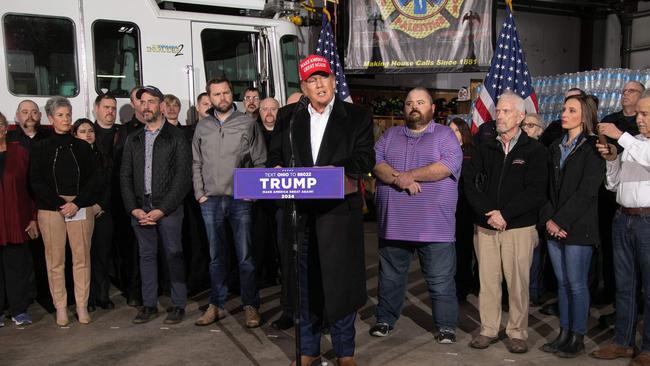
[328, 132]
[154, 178]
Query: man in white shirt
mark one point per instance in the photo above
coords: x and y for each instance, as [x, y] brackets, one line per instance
[628, 174]
[327, 132]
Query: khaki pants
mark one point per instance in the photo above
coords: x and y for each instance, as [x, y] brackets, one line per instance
[506, 253]
[79, 233]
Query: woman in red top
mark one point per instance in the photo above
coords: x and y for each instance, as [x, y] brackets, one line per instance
[17, 226]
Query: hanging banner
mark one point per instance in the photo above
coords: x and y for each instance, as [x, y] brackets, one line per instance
[389, 36]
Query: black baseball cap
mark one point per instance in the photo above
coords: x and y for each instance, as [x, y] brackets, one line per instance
[151, 90]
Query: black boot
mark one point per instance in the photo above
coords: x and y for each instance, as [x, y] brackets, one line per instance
[574, 347]
[561, 339]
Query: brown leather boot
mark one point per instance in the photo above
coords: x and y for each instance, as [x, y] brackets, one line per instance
[643, 359]
[612, 351]
[482, 342]
[211, 315]
[347, 361]
[252, 317]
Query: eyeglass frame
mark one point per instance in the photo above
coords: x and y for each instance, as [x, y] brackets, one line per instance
[528, 125]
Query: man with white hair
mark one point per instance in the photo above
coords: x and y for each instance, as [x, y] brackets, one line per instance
[506, 186]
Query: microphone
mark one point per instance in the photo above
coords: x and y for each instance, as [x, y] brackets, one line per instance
[301, 104]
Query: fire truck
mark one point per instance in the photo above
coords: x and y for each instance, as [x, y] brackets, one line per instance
[80, 48]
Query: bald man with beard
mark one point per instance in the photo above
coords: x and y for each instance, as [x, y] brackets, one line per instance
[28, 124]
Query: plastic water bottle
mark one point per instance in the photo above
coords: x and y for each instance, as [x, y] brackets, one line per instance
[591, 83]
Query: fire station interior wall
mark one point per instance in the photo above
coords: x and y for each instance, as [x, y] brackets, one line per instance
[641, 38]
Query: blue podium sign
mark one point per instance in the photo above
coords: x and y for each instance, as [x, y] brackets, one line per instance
[289, 183]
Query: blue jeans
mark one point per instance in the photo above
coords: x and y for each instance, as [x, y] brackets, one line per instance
[238, 212]
[168, 232]
[438, 265]
[311, 315]
[631, 242]
[571, 267]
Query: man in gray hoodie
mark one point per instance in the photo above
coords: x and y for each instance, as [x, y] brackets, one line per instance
[224, 140]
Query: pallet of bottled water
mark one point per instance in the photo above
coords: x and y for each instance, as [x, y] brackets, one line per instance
[604, 84]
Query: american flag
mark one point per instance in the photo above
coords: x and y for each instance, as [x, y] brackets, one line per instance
[326, 47]
[508, 71]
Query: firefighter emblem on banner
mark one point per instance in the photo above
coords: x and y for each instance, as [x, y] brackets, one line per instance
[420, 18]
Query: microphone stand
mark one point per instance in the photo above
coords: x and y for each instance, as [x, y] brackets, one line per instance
[293, 227]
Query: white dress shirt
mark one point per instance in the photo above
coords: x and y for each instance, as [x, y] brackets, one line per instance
[317, 124]
[629, 174]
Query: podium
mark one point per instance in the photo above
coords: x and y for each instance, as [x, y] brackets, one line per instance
[298, 183]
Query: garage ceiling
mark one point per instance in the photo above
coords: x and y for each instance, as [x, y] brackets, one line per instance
[579, 8]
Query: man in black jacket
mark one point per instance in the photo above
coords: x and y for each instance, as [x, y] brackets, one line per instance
[28, 126]
[506, 186]
[155, 177]
[107, 134]
[328, 132]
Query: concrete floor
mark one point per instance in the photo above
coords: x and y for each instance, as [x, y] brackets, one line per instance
[111, 339]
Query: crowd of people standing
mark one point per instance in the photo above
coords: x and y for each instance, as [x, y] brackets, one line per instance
[148, 206]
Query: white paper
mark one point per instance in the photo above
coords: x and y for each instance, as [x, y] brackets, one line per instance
[80, 215]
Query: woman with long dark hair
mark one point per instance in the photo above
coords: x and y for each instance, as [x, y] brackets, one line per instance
[571, 219]
[466, 278]
[100, 252]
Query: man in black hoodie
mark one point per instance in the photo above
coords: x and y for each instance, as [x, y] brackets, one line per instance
[506, 186]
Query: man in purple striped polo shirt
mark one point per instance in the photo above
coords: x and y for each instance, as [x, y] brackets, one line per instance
[417, 169]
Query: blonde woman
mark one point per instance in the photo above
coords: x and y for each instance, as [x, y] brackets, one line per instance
[63, 178]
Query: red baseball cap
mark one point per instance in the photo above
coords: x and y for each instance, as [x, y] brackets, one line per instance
[312, 64]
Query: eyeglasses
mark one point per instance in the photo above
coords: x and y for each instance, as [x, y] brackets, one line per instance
[249, 98]
[530, 125]
[631, 91]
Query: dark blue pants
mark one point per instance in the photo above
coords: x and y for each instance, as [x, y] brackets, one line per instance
[311, 315]
[536, 286]
[168, 231]
[438, 264]
[571, 266]
[215, 211]
[631, 243]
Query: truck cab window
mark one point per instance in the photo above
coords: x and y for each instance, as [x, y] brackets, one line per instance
[116, 52]
[40, 55]
[289, 48]
[229, 53]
